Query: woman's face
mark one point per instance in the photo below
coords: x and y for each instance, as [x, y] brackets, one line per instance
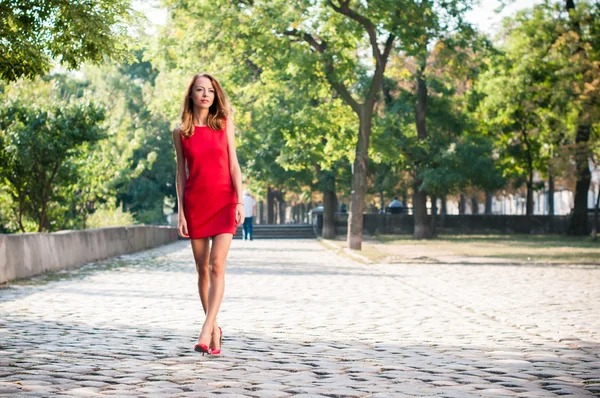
[203, 92]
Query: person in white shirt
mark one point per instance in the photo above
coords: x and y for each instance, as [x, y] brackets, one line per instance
[250, 210]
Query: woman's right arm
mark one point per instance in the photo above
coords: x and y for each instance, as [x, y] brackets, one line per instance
[180, 182]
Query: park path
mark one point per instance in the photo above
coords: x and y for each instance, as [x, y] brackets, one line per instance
[301, 321]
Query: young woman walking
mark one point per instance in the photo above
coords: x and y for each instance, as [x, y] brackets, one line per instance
[210, 196]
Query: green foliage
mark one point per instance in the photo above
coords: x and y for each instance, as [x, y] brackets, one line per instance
[455, 155]
[34, 33]
[142, 169]
[288, 129]
[539, 88]
[38, 140]
[465, 163]
[108, 216]
[298, 73]
[127, 159]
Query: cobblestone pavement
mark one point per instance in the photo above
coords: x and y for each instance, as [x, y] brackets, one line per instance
[300, 321]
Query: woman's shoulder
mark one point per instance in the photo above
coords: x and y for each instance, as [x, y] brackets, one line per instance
[177, 131]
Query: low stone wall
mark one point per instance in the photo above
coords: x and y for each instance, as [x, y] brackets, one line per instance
[374, 224]
[24, 255]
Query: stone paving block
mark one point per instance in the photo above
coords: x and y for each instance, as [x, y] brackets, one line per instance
[83, 392]
[269, 394]
[9, 391]
[299, 320]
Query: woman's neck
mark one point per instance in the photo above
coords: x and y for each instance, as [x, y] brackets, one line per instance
[200, 117]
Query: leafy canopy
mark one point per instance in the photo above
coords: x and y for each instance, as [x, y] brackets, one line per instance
[33, 33]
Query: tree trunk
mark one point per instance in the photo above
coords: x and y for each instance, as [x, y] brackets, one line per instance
[578, 222]
[422, 230]
[281, 206]
[21, 210]
[433, 215]
[381, 203]
[488, 202]
[359, 180]
[474, 205]
[270, 206]
[462, 204]
[529, 202]
[579, 217]
[329, 214]
[443, 207]
[336, 203]
[550, 195]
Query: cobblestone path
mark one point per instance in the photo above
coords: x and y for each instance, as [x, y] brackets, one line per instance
[301, 321]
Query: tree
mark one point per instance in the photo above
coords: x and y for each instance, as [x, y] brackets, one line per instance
[544, 92]
[440, 25]
[291, 134]
[355, 21]
[37, 140]
[142, 158]
[335, 37]
[511, 108]
[36, 32]
[329, 35]
[579, 42]
[454, 153]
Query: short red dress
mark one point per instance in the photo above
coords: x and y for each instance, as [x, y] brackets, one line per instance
[209, 197]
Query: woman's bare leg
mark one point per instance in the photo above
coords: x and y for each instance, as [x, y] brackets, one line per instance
[218, 256]
[201, 250]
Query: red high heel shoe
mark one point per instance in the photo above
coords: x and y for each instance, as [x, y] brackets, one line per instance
[203, 348]
[217, 351]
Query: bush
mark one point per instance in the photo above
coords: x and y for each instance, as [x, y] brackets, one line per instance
[109, 217]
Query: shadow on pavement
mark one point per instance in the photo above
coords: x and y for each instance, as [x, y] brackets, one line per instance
[59, 358]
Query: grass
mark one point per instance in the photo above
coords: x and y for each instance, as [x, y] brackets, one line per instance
[555, 249]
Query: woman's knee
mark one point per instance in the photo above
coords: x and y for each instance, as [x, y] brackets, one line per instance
[203, 269]
[217, 267]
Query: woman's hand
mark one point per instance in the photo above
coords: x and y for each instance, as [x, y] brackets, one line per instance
[182, 227]
[239, 214]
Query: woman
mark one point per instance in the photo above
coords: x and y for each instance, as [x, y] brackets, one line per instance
[208, 196]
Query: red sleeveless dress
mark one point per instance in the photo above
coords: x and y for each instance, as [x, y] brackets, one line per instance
[209, 197]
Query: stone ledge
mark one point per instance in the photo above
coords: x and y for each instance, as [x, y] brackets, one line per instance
[29, 254]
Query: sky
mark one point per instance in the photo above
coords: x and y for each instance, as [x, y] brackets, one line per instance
[483, 16]
[487, 20]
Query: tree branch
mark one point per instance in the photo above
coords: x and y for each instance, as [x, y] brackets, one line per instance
[345, 9]
[321, 48]
[380, 69]
[388, 46]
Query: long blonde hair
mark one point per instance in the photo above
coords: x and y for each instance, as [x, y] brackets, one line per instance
[217, 113]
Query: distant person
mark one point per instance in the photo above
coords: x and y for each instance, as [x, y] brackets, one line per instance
[396, 206]
[209, 196]
[250, 207]
[343, 208]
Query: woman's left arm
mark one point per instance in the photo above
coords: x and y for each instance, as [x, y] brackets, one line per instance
[235, 171]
